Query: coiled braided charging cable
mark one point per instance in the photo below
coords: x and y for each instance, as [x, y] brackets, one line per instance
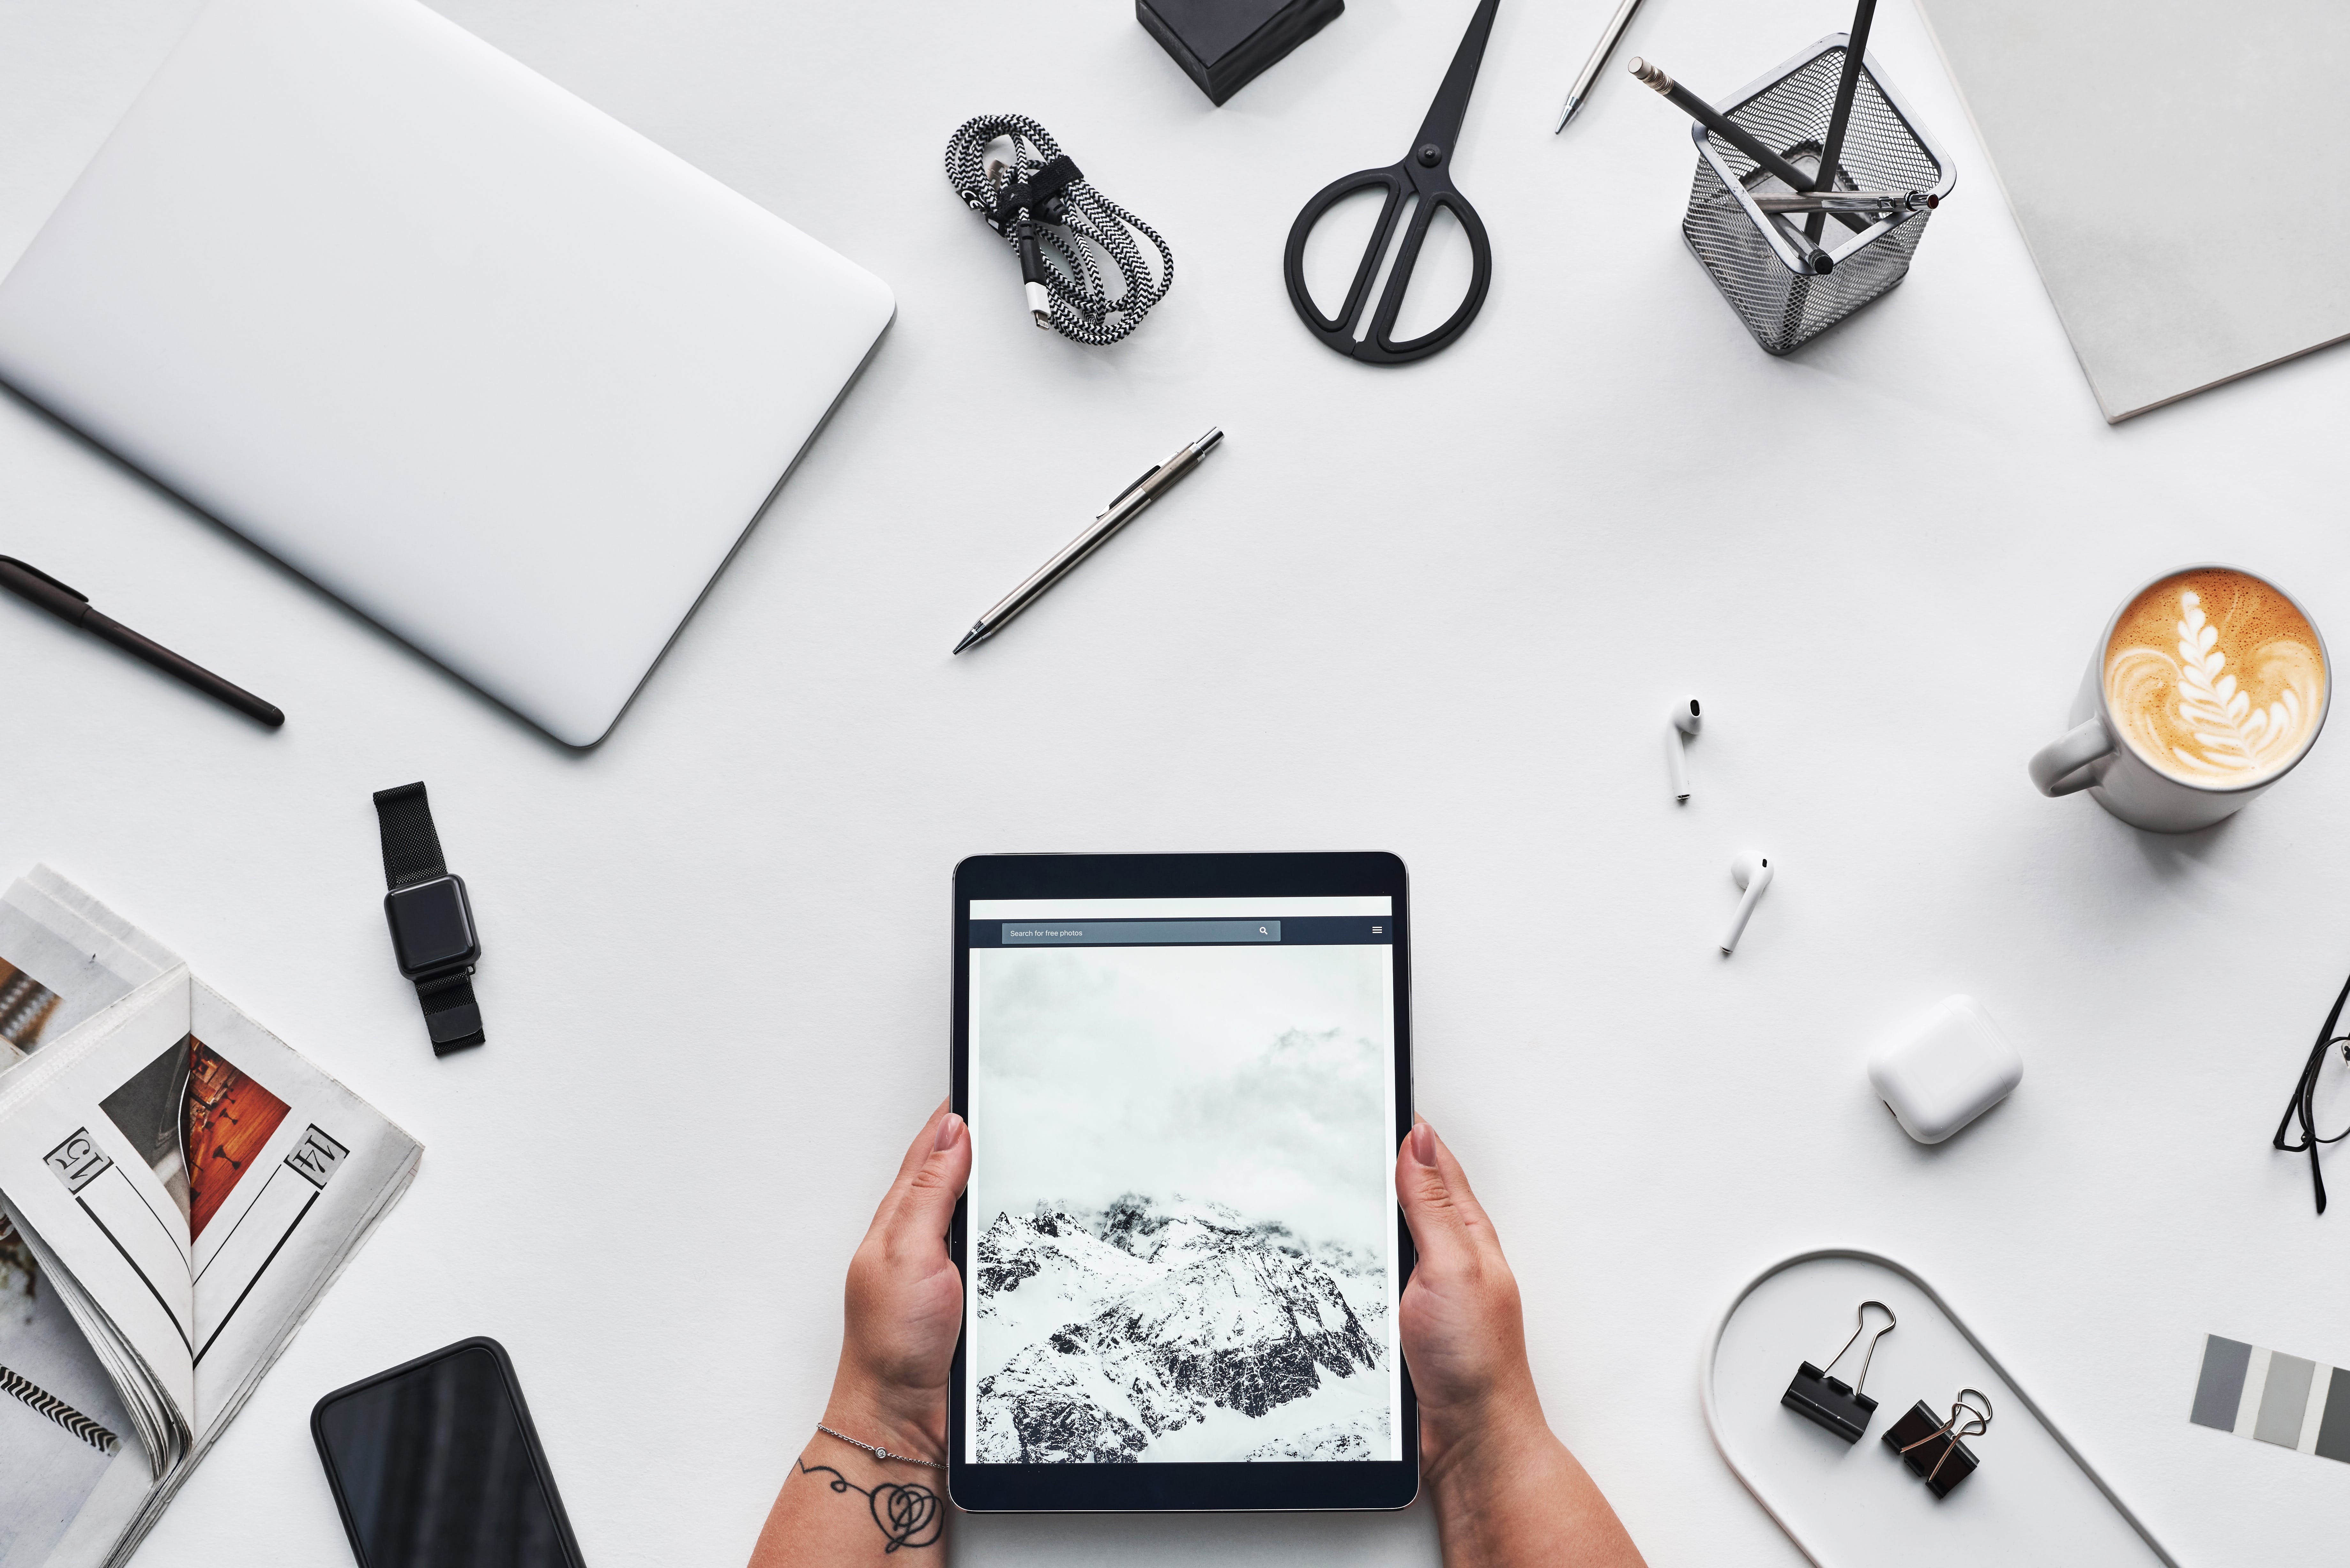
[1037, 201]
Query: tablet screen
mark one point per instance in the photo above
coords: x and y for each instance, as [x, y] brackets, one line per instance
[1181, 1215]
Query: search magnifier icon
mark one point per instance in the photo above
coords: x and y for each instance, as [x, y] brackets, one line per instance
[1263, 932]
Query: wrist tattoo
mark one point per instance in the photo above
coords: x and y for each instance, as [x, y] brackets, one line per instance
[908, 1515]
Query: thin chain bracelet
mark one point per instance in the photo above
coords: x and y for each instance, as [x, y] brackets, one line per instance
[879, 1453]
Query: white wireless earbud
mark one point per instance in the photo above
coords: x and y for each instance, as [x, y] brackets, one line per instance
[1685, 722]
[1750, 871]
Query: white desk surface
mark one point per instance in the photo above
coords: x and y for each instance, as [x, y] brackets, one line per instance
[1439, 610]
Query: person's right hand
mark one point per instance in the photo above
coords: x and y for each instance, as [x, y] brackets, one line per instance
[1462, 1328]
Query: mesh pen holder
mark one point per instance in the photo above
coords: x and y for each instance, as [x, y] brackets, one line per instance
[1758, 259]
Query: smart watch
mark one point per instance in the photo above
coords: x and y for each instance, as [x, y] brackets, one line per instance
[432, 934]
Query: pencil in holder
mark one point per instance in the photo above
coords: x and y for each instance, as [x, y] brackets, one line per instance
[1759, 260]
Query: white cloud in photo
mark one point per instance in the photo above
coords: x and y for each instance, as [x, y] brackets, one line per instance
[1252, 1075]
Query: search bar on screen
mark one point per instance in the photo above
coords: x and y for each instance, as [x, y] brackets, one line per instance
[1131, 933]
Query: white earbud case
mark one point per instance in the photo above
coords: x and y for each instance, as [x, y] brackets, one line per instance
[1949, 1068]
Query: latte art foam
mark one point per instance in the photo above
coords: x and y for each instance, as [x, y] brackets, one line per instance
[2215, 677]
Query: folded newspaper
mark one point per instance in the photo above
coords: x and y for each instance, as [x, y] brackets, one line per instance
[177, 1190]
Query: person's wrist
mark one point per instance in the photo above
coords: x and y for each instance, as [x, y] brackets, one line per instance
[912, 1422]
[1463, 1443]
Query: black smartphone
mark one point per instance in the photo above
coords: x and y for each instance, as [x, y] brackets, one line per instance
[435, 1464]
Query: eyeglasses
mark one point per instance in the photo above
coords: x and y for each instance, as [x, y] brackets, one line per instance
[2315, 1086]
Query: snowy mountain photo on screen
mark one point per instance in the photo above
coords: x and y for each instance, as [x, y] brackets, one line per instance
[1184, 1232]
[1176, 1332]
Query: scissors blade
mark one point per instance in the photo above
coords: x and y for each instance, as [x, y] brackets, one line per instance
[1451, 106]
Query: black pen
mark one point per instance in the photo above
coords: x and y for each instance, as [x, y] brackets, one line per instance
[73, 608]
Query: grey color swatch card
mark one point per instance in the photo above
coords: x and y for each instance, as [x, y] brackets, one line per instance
[2272, 1397]
[2172, 164]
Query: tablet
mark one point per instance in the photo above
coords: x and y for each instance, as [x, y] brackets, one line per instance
[1186, 1077]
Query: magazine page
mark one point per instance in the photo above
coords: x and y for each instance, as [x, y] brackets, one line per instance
[64, 956]
[90, 1160]
[288, 1170]
[142, 1396]
[73, 1473]
[191, 1186]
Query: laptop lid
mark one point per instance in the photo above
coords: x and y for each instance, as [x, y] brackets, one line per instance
[471, 355]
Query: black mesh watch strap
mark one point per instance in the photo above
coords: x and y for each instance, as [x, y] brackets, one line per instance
[411, 850]
[411, 853]
[451, 1015]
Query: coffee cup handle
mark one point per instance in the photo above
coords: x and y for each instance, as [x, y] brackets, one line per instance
[2061, 766]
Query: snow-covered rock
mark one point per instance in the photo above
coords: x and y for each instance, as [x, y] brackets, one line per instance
[1049, 1407]
[1366, 1438]
[1096, 1338]
[1053, 1266]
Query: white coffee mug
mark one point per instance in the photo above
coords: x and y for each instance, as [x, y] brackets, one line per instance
[2093, 755]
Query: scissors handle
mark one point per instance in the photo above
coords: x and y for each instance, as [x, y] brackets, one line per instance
[1378, 346]
[1426, 173]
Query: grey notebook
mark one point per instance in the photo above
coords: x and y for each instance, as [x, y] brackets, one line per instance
[2172, 165]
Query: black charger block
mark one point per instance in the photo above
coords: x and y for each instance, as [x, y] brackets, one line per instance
[1223, 44]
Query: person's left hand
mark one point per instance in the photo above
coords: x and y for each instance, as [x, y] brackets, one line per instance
[904, 1303]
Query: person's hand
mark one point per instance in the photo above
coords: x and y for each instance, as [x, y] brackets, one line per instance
[904, 1303]
[1463, 1331]
[1507, 1493]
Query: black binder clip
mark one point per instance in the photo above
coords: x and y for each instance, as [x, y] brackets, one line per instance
[1931, 1448]
[1816, 1397]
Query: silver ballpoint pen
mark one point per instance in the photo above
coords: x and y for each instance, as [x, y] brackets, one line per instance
[1880, 202]
[1121, 510]
[1598, 62]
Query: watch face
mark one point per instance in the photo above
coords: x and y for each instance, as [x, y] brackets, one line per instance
[431, 926]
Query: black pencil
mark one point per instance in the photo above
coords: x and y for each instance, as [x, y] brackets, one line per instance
[1738, 136]
[1856, 50]
[1720, 124]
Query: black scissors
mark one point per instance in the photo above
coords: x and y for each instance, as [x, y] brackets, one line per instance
[1424, 172]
